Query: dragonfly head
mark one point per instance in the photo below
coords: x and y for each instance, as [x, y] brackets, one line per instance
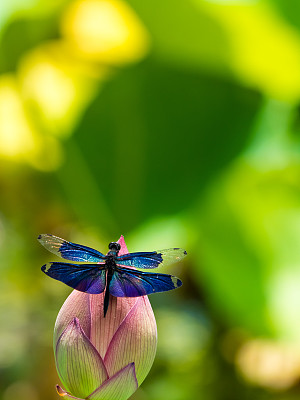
[114, 246]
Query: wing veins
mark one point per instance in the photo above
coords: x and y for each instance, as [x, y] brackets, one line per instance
[79, 266]
[141, 274]
[142, 278]
[63, 248]
[83, 248]
[132, 283]
[130, 256]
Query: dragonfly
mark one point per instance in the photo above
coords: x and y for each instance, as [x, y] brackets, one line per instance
[117, 275]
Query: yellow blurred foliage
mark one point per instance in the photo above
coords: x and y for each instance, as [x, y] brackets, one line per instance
[57, 87]
[55, 81]
[107, 31]
[52, 90]
[16, 134]
[19, 140]
[265, 50]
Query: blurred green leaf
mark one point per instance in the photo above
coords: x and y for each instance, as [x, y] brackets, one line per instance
[155, 135]
[183, 34]
[229, 268]
[290, 10]
[21, 35]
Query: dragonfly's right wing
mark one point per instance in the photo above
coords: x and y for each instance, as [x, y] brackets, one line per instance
[153, 259]
[128, 282]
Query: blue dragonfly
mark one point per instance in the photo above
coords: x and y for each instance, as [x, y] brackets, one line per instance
[114, 274]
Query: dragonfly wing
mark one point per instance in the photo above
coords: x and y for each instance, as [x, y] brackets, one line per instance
[70, 251]
[131, 283]
[86, 278]
[149, 260]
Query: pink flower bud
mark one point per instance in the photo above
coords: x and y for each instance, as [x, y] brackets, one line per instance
[101, 358]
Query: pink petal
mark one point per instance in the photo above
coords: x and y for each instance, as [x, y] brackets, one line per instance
[89, 310]
[124, 249]
[119, 387]
[103, 329]
[134, 341]
[65, 394]
[76, 305]
[78, 363]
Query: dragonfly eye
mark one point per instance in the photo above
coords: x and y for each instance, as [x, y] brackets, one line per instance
[114, 246]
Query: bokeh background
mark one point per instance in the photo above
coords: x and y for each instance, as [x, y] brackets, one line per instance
[174, 123]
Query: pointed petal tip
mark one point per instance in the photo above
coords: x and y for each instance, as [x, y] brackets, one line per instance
[132, 367]
[76, 322]
[73, 324]
[63, 393]
[60, 391]
[120, 386]
[76, 305]
[122, 243]
[80, 367]
[74, 328]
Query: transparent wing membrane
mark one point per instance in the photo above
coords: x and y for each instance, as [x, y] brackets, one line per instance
[149, 260]
[70, 251]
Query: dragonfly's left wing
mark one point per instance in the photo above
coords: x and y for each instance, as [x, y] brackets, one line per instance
[88, 278]
[131, 283]
[70, 251]
[149, 260]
